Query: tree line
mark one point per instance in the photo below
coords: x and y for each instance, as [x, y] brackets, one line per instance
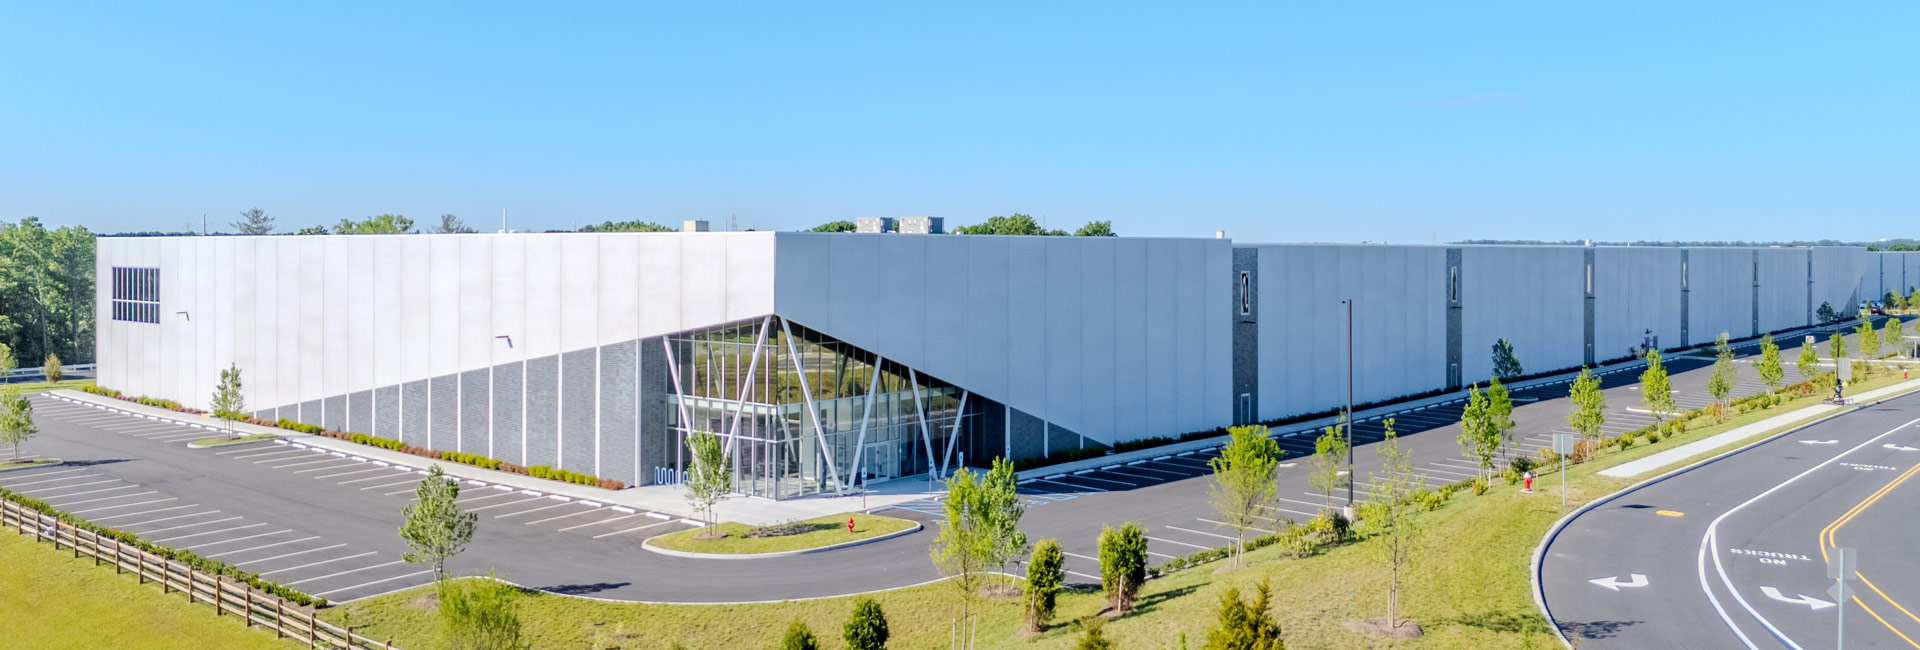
[46, 292]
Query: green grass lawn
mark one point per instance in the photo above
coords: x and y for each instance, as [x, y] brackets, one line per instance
[52, 601]
[39, 386]
[25, 463]
[1470, 589]
[823, 531]
[220, 441]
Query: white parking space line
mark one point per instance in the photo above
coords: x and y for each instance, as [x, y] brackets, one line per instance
[629, 530]
[329, 458]
[359, 471]
[402, 470]
[16, 487]
[571, 514]
[60, 471]
[495, 495]
[256, 548]
[99, 499]
[157, 434]
[197, 435]
[144, 512]
[1077, 488]
[603, 521]
[522, 512]
[1201, 532]
[277, 557]
[237, 539]
[328, 467]
[348, 571]
[303, 566]
[75, 494]
[1093, 578]
[369, 584]
[509, 503]
[277, 452]
[68, 487]
[204, 523]
[140, 428]
[250, 448]
[210, 532]
[123, 505]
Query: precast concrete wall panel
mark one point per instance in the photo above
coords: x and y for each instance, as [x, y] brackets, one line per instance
[1530, 295]
[477, 341]
[660, 284]
[336, 291]
[1162, 335]
[904, 329]
[1063, 293]
[703, 259]
[1836, 278]
[855, 262]
[1399, 324]
[1022, 295]
[1720, 296]
[1098, 286]
[619, 299]
[1635, 290]
[416, 324]
[1783, 283]
[1130, 351]
[749, 279]
[388, 314]
[543, 298]
[988, 303]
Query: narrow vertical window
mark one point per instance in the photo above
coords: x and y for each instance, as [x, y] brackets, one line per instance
[1453, 284]
[1246, 294]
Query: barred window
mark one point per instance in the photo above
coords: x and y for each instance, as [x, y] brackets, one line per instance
[136, 295]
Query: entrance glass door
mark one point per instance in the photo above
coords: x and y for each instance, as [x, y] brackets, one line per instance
[877, 461]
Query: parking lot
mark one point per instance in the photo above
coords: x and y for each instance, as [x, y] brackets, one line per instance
[337, 563]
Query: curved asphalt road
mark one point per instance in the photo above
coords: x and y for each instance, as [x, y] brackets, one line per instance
[1731, 554]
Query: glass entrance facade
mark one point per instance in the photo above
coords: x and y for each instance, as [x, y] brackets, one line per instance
[802, 413]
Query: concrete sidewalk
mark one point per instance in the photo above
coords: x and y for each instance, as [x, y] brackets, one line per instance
[666, 499]
[1663, 459]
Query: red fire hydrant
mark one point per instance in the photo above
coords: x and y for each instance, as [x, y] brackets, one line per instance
[849, 525]
[1528, 485]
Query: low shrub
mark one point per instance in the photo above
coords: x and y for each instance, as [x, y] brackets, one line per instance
[1446, 491]
[1623, 442]
[1653, 438]
[1428, 500]
[290, 425]
[1479, 486]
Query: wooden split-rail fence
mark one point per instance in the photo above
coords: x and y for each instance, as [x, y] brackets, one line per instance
[228, 597]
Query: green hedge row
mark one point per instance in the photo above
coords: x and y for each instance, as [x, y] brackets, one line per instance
[183, 556]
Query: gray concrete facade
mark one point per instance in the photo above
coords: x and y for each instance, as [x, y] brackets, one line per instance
[548, 349]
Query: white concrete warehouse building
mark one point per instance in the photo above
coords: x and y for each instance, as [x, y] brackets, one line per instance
[596, 352]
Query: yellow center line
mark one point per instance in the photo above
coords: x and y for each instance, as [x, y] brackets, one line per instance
[1828, 539]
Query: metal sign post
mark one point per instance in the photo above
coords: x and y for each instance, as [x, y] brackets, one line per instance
[1563, 444]
[1840, 566]
[1842, 372]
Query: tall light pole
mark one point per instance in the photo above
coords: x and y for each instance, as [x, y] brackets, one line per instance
[1349, 423]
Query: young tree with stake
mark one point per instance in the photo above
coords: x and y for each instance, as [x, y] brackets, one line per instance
[1123, 565]
[1330, 463]
[1243, 481]
[433, 526]
[1589, 405]
[1506, 364]
[965, 547]
[1769, 365]
[709, 479]
[1720, 383]
[1045, 573]
[1869, 337]
[1000, 507]
[229, 402]
[1479, 438]
[1394, 520]
[1500, 416]
[1808, 363]
[16, 420]
[1656, 391]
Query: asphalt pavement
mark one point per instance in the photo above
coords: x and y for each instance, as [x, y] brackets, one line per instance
[1732, 554]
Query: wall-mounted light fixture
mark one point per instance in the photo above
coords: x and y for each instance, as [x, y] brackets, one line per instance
[184, 314]
[508, 338]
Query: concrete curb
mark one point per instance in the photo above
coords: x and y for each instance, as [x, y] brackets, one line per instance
[1540, 551]
[648, 545]
[56, 463]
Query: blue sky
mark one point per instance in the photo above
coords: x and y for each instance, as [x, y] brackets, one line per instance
[1273, 121]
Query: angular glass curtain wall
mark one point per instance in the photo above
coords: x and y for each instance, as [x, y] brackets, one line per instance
[801, 413]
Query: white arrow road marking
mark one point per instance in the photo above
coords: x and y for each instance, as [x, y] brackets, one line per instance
[1818, 442]
[1811, 602]
[1900, 447]
[1614, 583]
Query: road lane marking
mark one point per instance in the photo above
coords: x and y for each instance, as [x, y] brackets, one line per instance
[276, 557]
[1709, 546]
[1614, 583]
